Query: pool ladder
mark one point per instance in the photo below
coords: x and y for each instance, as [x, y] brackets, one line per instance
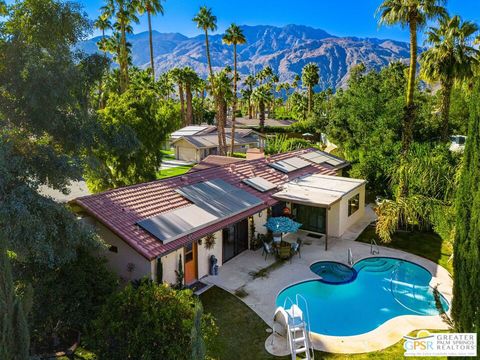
[298, 327]
[374, 249]
[350, 257]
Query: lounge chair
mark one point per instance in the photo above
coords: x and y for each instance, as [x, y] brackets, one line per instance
[267, 250]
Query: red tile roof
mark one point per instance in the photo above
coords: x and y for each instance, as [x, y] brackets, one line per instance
[120, 209]
[215, 161]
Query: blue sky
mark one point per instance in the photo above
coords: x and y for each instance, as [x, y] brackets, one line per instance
[338, 17]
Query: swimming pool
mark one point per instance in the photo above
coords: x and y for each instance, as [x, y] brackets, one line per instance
[383, 288]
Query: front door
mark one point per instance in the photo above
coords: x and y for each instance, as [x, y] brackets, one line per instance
[312, 218]
[190, 255]
[235, 239]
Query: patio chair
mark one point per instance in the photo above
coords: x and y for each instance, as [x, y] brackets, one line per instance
[267, 250]
[296, 247]
[277, 238]
[285, 251]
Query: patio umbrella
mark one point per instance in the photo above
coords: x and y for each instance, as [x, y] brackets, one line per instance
[282, 224]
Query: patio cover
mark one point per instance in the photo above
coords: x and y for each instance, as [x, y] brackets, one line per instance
[317, 190]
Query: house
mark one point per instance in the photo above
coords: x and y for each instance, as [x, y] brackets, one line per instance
[196, 147]
[218, 211]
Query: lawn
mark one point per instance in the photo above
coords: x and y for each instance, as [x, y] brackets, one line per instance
[426, 244]
[242, 333]
[174, 171]
[168, 154]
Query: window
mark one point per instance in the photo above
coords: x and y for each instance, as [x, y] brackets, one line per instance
[353, 204]
[113, 249]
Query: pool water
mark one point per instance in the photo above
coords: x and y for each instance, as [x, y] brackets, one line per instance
[332, 272]
[384, 288]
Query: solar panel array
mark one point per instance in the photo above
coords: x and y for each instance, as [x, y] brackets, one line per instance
[290, 164]
[260, 184]
[319, 157]
[219, 197]
[173, 224]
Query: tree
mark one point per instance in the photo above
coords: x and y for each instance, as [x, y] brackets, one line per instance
[124, 12]
[102, 23]
[250, 82]
[191, 79]
[310, 78]
[14, 333]
[151, 7]
[234, 36]
[134, 124]
[198, 343]
[222, 92]
[466, 247]
[262, 96]
[450, 59]
[414, 14]
[207, 21]
[152, 320]
[178, 76]
[46, 127]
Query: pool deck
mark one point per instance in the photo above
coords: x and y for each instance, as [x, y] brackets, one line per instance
[260, 293]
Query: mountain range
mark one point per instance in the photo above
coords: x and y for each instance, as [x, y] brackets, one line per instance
[286, 49]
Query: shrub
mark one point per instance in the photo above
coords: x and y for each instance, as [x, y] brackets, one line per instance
[70, 296]
[150, 321]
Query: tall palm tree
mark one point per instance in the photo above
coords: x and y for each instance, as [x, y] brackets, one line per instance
[178, 76]
[450, 58]
[414, 14]
[250, 81]
[207, 21]
[262, 95]
[151, 7]
[310, 78]
[190, 78]
[102, 23]
[274, 79]
[234, 36]
[222, 87]
[296, 81]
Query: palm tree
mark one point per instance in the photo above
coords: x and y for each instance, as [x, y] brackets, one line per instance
[250, 81]
[151, 7]
[234, 36]
[262, 96]
[414, 14]
[274, 79]
[165, 85]
[222, 90]
[207, 21]
[178, 76]
[296, 81]
[102, 23]
[310, 77]
[190, 79]
[450, 58]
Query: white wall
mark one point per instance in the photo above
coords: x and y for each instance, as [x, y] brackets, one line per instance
[186, 151]
[170, 264]
[203, 258]
[345, 220]
[259, 222]
[119, 261]
[333, 220]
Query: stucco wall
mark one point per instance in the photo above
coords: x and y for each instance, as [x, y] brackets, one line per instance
[170, 264]
[203, 264]
[119, 262]
[345, 220]
[333, 220]
[186, 151]
[259, 222]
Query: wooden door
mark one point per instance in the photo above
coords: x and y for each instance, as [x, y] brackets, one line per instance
[190, 256]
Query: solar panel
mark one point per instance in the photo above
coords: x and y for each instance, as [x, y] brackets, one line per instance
[260, 183]
[219, 197]
[319, 157]
[173, 224]
[297, 162]
[282, 166]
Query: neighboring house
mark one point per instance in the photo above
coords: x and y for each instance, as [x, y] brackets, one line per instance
[166, 222]
[192, 130]
[214, 161]
[197, 147]
[255, 123]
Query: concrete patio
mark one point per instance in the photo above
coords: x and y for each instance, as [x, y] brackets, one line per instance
[260, 293]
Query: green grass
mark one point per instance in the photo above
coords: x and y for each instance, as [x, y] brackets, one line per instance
[426, 244]
[242, 333]
[168, 153]
[175, 171]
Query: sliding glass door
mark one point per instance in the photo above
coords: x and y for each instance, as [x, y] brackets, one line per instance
[312, 218]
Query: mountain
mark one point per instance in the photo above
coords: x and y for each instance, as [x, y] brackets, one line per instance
[286, 49]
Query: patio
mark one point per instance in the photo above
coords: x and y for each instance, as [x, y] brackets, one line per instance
[260, 293]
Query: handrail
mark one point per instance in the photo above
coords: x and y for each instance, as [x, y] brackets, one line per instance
[307, 323]
[376, 250]
[350, 257]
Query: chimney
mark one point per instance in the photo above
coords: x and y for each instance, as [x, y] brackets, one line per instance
[255, 153]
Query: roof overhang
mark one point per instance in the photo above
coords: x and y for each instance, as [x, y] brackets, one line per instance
[318, 190]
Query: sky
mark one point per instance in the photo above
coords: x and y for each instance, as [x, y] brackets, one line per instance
[337, 17]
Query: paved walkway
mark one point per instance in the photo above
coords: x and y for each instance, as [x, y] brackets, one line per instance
[172, 163]
[236, 275]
